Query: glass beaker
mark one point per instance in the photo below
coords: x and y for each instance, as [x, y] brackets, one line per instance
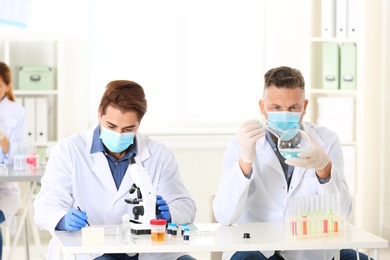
[290, 141]
[19, 154]
[3, 169]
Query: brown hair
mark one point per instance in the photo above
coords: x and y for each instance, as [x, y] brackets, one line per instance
[5, 74]
[124, 95]
[284, 77]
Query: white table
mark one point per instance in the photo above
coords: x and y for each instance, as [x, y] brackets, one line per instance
[214, 237]
[33, 176]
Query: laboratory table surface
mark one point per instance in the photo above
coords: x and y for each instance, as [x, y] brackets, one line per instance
[215, 237]
[31, 176]
[28, 175]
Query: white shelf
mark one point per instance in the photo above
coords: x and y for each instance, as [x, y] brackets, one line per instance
[370, 103]
[35, 92]
[335, 40]
[24, 51]
[333, 92]
[345, 126]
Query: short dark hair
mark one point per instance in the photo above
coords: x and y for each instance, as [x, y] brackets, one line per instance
[124, 95]
[284, 77]
[5, 74]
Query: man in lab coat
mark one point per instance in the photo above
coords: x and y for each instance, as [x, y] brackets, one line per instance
[257, 180]
[87, 176]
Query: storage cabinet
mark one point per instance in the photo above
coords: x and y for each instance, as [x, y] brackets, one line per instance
[34, 68]
[332, 84]
[365, 156]
[369, 103]
[330, 100]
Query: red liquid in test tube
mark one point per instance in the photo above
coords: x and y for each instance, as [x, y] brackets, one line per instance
[304, 224]
[325, 226]
[294, 228]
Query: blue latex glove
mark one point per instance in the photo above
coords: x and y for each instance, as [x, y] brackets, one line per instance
[75, 220]
[162, 205]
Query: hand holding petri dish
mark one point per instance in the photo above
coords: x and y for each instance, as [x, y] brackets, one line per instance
[290, 141]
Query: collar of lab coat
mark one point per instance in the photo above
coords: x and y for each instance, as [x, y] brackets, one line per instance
[102, 169]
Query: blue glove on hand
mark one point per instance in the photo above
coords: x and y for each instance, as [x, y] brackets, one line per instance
[162, 205]
[75, 220]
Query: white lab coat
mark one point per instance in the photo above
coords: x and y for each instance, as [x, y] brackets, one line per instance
[13, 124]
[75, 177]
[9, 203]
[263, 197]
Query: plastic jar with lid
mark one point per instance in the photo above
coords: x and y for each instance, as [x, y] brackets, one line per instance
[126, 229]
[158, 229]
[183, 226]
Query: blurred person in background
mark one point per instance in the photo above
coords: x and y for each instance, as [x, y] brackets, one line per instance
[12, 131]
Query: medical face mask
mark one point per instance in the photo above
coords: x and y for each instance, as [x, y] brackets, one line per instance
[285, 120]
[116, 142]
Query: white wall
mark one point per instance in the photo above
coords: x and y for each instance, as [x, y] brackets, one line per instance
[368, 191]
[385, 124]
[189, 56]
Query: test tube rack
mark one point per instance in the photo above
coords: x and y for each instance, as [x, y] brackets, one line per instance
[314, 216]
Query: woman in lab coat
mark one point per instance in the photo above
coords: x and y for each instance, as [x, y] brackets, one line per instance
[257, 181]
[81, 172]
[12, 131]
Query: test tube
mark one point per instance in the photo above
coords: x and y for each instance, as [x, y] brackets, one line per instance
[304, 225]
[294, 231]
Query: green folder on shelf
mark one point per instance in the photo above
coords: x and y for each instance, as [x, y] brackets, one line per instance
[331, 65]
[348, 66]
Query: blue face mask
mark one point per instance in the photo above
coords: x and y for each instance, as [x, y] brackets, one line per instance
[285, 120]
[116, 142]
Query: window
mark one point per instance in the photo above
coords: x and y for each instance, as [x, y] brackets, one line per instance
[201, 63]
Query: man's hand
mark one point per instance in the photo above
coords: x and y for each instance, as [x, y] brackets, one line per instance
[314, 158]
[162, 205]
[247, 136]
[75, 220]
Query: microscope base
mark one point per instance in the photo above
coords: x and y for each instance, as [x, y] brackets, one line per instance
[141, 231]
[139, 228]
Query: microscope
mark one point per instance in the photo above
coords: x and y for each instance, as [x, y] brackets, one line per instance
[144, 208]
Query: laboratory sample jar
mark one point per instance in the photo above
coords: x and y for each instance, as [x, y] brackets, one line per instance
[31, 160]
[20, 162]
[3, 169]
[158, 229]
[126, 229]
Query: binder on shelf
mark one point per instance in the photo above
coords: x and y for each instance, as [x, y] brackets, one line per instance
[352, 19]
[29, 105]
[328, 18]
[41, 121]
[341, 18]
[330, 66]
[348, 66]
